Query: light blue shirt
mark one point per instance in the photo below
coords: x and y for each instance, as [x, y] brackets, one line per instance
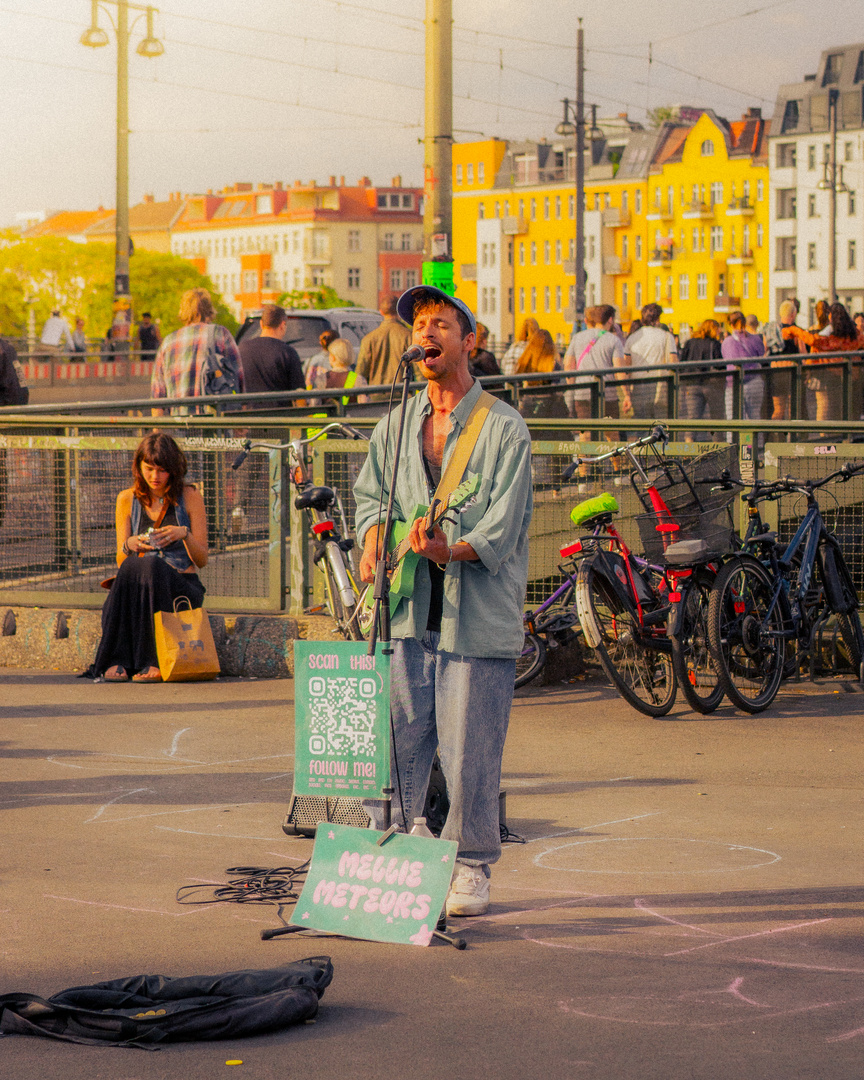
[483, 599]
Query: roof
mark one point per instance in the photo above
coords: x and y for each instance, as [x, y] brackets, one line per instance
[147, 216]
[68, 222]
[802, 107]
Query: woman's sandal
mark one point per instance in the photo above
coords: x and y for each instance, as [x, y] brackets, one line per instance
[116, 673]
[150, 675]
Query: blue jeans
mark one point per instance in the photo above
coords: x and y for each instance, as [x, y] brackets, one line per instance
[461, 705]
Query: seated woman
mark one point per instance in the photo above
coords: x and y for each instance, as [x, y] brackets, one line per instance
[161, 543]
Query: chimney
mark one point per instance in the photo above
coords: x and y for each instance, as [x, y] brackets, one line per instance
[364, 182]
[341, 181]
[209, 190]
[298, 183]
[397, 181]
[753, 113]
[148, 198]
[332, 181]
[278, 185]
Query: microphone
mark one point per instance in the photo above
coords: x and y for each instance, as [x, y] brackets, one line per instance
[241, 457]
[415, 353]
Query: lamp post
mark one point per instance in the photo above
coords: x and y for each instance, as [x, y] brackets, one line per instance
[95, 37]
[830, 183]
[576, 128]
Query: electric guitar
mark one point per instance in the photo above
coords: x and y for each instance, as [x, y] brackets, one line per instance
[402, 561]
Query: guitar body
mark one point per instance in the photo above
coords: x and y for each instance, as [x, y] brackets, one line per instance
[402, 580]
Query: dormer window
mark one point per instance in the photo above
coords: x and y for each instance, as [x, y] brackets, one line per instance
[833, 66]
[707, 148]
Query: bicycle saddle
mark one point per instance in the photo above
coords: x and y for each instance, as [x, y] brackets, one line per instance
[585, 512]
[315, 498]
[686, 553]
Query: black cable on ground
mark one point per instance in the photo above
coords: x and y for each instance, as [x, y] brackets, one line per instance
[508, 837]
[253, 885]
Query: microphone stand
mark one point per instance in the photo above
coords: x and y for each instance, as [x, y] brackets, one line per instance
[381, 589]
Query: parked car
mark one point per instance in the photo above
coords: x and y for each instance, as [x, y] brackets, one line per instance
[305, 326]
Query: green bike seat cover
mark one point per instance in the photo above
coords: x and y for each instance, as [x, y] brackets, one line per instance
[590, 508]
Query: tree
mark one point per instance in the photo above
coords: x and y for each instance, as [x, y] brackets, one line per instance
[322, 296]
[656, 117]
[54, 272]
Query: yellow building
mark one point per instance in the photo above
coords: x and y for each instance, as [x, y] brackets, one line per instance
[678, 214]
[700, 246]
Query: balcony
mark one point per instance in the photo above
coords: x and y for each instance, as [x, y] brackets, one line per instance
[615, 218]
[698, 211]
[660, 256]
[723, 303]
[468, 271]
[615, 264]
[742, 258]
[657, 213]
[740, 208]
[513, 226]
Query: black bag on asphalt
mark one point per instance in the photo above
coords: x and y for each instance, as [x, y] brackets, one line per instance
[147, 1009]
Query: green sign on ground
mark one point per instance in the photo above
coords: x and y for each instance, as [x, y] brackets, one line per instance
[392, 892]
[341, 720]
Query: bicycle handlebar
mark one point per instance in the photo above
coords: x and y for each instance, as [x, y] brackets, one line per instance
[346, 429]
[773, 489]
[658, 434]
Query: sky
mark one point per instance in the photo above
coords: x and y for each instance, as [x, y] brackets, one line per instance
[250, 90]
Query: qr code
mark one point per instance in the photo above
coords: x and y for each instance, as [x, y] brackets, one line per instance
[342, 715]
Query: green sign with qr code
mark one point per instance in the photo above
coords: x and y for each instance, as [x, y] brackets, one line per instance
[341, 719]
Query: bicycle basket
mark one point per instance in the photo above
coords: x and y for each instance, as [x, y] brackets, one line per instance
[714, 526]
[681, 482]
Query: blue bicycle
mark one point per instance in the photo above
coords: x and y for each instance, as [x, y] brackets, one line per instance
[770, 597]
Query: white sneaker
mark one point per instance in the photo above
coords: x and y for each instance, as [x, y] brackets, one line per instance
[469, 891]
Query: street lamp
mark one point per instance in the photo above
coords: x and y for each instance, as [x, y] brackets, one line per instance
[95, 37]
[834, 184]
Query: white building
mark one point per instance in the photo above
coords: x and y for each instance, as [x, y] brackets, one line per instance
[799, 149]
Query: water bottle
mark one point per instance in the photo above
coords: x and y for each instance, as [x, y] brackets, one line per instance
[421, 828]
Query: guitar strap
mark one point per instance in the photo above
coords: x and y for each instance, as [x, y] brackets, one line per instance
[452, 475]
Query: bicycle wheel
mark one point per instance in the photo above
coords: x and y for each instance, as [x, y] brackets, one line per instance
[643, 676]
[848, 619]
[530, 663]
[745, 633]
[691, 655]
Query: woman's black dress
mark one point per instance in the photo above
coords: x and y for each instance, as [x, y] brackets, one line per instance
[143, 586]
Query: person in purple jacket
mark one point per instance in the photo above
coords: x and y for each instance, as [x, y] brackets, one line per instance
[736, 346]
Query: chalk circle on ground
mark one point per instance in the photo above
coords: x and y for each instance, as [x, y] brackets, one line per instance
[653, 855]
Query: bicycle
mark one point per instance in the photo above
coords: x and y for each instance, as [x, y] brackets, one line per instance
[771, 594]
[331, 548]
[555, 620]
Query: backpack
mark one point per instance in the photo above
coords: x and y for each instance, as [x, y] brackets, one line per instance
[148, 1009]
[219, 373]
[775, 343]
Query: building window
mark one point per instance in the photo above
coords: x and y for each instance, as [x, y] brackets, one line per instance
[557, 251]
[481, 211]
[410, 279]
[497, 209]
[510, 300]
[522, 300]
[558, 207]
[851, 203]
[521, 208]
[533, 254]
[353, 239]
[250, 281]
[547, 299]
[716, 238]
[625, 248]
[571, 205]
[786, 155]
[625, 295]
[745, 286]
[557, 297]
[533, 205]
[637, 200]
[591, 246]
[408, 202]
[469, 174]
[637, 248]
[484, 304]
[547, 208]
[533, 299]
[395, 280]
[458, 174]
[637, 295]
[572, 248]
[493, 254]
[625, 201]
[811, 256]
[811, 205]
[759, 285]
[707, 149]
[716, 193]
[269, 281]
[701, 286]
[658, 290]
[484, 254]
[389, 242]
[521, 253]
[811, 157]
[852, 255]
[353, 277]
[481, 172]
[847, 151]
[547, 252]
[683, 286]
[493, 300]
[406, 241]
[760, 233]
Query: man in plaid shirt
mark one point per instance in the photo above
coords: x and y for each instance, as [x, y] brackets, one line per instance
[179, 367]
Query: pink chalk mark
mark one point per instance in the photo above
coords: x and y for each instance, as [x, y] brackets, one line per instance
[126, 907]
[846, 1035]
[675, 922]
[744, 937]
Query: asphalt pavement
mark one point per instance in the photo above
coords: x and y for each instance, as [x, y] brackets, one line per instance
[687, 904]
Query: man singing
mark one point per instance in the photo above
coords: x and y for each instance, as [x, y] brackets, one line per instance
[457, 637]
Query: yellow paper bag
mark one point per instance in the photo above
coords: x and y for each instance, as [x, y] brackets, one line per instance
[185, 647]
